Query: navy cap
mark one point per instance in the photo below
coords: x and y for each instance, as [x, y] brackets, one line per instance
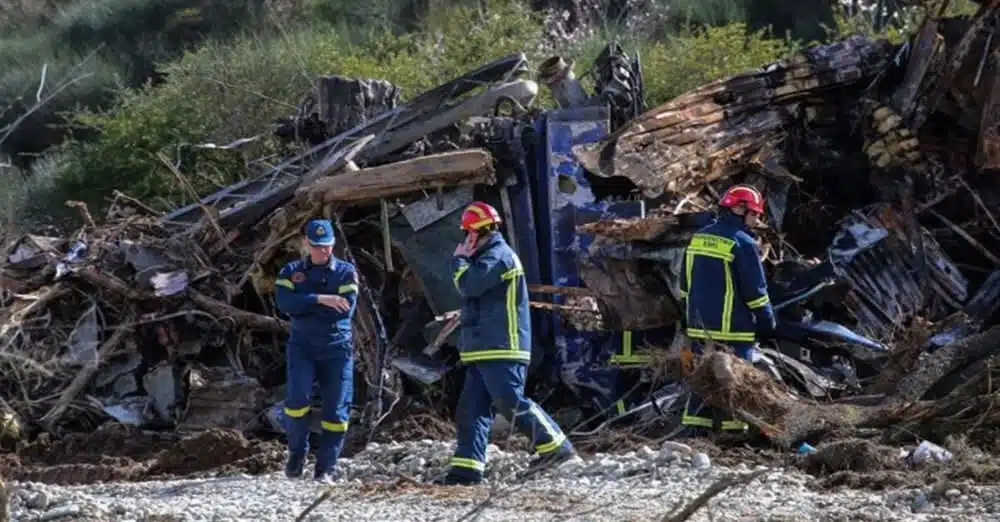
[319, 232]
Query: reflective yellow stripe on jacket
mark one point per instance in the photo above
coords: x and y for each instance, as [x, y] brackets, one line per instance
[513, 352]
[721, 248]
[626, 356]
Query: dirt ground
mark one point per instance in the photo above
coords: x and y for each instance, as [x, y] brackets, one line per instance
[120, 453]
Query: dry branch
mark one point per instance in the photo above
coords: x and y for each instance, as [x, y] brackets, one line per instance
[241, 318]
[945, 360]
[706, 496]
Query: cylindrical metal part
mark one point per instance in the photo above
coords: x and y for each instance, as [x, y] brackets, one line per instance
[558, 76]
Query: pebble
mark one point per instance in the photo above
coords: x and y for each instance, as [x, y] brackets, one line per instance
[701, 461]
[644, 485]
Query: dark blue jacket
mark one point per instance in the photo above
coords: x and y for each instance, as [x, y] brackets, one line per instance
[724, 284]
[496, 325]
[319, 330]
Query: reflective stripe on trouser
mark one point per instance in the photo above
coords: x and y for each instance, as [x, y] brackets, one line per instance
[336, 387]
[698, 415]
[498, 387]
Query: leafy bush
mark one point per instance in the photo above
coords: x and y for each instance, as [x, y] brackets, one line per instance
[694, 56]
[22, 61]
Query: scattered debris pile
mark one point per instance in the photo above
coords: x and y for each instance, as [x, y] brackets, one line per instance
[876, 161]
[168, 320]
[877, 164]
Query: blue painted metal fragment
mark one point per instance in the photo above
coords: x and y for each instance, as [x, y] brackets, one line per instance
[564, 200]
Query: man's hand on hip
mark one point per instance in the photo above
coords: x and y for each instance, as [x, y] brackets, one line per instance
[336, 302]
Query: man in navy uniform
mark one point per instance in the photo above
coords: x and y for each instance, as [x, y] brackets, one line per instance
[726, 293]
[495, 346]
[318, 293]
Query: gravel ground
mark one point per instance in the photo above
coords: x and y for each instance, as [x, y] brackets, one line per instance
[386, 483]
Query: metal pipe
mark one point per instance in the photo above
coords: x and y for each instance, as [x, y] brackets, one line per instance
[558, 76]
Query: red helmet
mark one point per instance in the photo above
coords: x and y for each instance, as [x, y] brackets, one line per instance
[478, 215]
[744, 194]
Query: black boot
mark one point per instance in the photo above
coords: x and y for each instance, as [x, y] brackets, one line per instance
[295, 465]
[552, 459]
[455, 479]
[330, 446]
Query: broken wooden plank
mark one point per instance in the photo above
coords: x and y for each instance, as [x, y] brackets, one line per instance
[560, 290]
[925, 46]
[717, 130]
[463, 167]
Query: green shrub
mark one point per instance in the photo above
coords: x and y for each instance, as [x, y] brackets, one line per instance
[707, 12]
[694, 56]
[22, 59]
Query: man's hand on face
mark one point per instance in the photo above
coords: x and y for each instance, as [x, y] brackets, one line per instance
[468, 246]
[336, 302]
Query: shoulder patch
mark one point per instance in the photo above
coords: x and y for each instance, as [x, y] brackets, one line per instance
[298, 277]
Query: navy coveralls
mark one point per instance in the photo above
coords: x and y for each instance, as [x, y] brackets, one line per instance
[496, 347]
[727, 300]
[319, 349]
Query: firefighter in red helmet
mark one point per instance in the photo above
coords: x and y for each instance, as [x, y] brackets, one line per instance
[495, 346]
[726, 292]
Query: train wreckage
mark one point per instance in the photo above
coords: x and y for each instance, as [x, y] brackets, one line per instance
[874, 158]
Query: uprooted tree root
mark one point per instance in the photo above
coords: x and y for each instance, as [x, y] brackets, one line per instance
[724, 381]
[972, 408]
[858, 446]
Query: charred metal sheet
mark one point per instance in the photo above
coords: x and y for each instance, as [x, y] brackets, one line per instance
[425, 212]
[959, 58]
[890, 281]
[426, 252]
[220, 397]
[32, 251]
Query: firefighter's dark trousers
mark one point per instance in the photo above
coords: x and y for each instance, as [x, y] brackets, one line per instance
[335, 375]
[492, 387]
